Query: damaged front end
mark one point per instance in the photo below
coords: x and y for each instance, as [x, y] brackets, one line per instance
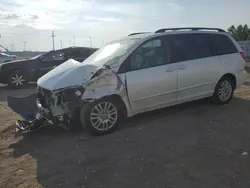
[60, 106]
[61, 94]
[47, 107]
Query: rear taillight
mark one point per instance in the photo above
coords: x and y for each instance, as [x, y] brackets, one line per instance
[243, 55]
[14, 58]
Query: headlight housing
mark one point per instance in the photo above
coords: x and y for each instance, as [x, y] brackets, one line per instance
[71, 94]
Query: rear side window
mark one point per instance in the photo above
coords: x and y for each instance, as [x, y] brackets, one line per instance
[223, 45]
[87, 52]
[190, 46]
[77, 53]
[54, 56]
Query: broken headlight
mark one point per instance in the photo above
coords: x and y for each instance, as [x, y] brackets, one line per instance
[69, 95]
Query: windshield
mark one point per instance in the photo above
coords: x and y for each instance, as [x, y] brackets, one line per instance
[4, 54]
[110, 53]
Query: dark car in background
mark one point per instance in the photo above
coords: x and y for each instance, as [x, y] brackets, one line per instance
[18, 73]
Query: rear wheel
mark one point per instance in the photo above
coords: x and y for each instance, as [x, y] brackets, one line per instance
[17, 79]
[101, 117]
[224, 91]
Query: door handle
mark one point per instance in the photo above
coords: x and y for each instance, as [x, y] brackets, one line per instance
[170, 70]
[182, 67]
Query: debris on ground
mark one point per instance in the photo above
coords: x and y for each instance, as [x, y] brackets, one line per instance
[244, 153]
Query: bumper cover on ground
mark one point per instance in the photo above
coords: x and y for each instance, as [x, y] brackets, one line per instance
[34, 114]
[26, 107]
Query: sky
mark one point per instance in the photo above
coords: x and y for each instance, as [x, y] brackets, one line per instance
[96, 22]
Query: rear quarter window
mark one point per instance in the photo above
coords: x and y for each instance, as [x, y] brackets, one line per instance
[222, 45]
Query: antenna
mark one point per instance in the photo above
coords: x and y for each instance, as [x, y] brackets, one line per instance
[53, 39]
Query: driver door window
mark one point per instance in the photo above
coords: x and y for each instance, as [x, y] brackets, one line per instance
[151, 79]
[148, 55]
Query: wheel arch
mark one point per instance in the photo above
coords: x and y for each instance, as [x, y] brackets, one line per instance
[26, 73]
[231, 76]
[86, 109]
[6, 78]
[120, 102]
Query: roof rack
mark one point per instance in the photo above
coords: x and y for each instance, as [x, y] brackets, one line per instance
[137, 33]
[189, 28]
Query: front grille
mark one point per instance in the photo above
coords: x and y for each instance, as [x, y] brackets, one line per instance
[45, 97]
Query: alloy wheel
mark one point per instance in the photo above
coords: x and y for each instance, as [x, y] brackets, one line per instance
[225, 90]
[103, 116]
[17, 80]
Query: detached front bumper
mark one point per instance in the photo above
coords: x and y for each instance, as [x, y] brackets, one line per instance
[25, 106]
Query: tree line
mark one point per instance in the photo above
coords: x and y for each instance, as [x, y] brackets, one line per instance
[240, 33]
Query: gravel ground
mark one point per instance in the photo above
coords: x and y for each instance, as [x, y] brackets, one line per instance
[190, 145]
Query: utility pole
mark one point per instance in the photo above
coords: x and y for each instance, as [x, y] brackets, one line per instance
[2, 45]
[53, 40]
[61, 43]
[24, 45]
[74, 41]
[90, 41]
[13, 45]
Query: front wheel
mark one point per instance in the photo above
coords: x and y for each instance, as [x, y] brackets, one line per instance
[100, 117]
[224, 91]
[17, 79]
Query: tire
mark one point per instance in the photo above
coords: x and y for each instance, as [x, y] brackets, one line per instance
[109, 123]
[224, 90]
[17, 80]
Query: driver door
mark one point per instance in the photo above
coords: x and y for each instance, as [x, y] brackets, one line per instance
[49, 62]
[151, 79]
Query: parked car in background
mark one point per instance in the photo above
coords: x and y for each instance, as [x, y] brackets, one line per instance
[6, 57]
[18, 73]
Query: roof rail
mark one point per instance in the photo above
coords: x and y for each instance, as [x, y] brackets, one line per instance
[189, 28]
[137, 33]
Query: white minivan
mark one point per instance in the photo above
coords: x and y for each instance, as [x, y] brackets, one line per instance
[142, 72]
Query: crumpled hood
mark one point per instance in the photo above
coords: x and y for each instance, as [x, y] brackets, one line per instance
[70, 73]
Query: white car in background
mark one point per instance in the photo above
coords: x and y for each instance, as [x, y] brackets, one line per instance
[6, 57]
